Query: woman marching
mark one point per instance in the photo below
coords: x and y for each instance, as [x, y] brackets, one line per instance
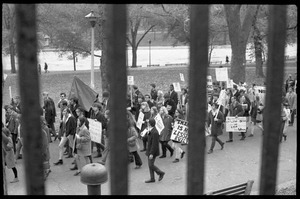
[165, 134]
[132, 136]
[82, 145]
[215, 120]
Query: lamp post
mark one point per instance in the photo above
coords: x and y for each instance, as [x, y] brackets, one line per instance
[149, 53]
[92, 19]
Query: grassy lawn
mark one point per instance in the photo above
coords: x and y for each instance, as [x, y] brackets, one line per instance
[57, 82]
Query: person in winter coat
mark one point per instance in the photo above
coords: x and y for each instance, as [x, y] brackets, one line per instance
[45, 147]
[82, 145]
[69, 128]
[245, 102]
[8, 152]
[12, 125]
[253, 115]
[152, 152]
[132, 140]
[165, 134]
[235, 110]
[215, 120]
[50, 112]
[291, 96]
[146, 111]
[285, 117]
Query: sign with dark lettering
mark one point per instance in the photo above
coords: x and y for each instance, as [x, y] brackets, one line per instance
[180, 131]
[235, 124]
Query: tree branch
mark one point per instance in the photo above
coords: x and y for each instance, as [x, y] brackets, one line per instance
[144, 35]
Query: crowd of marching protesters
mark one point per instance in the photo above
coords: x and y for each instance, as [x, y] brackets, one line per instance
[75, 139]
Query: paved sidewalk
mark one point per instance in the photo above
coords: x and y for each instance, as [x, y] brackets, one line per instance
[237, 163]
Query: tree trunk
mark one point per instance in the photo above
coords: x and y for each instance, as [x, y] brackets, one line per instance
[258, 57]
[134, 56]
[239, 31]
[238, 59]
[74, 60]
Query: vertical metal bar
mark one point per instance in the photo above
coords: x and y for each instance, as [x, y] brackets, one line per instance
[116, 35]
[272, 112]
[197, 85]
[29, 91]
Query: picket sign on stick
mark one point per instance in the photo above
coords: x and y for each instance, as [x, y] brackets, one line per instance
[180, 131]
[139, 122]
[159, 123]
[221, 74]
[95, 129]
[181, 77]
[10, 95]
[177, 87]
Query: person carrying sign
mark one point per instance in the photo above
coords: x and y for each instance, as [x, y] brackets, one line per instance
[176, 144]
[235, 110]
[215, 120]
[165, 134]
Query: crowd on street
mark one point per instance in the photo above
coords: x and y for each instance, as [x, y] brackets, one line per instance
[75, 139]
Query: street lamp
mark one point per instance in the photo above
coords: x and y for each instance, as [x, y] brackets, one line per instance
[92, 19]
[149, 53]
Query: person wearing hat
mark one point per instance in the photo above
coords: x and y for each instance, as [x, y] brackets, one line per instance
[215, 121]
[152, 152]
[153, 92]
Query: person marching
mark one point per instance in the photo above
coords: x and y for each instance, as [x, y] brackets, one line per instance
[152, 152]
[215, 120]
[235, 110]
[82, 145]
[68, 127]
[176, 145]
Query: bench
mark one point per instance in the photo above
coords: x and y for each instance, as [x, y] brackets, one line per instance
[240, 189]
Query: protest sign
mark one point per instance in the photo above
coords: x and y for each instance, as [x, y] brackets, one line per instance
[261, 92]
[145, 131]
[229, 83]
[130, 80]
[235, 124]
[10, 95]
[95, 129]
[222, 98]
[181, 77]
[180, 131]
[221, 74]
[177, 87]
[159, 123]
[139, 122]
[209, 83]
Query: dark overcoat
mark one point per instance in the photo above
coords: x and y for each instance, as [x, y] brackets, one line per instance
[216, 126]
